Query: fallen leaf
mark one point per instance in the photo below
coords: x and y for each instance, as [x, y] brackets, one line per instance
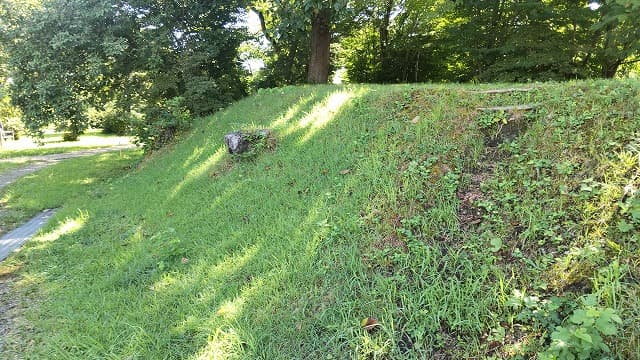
[345, 171]
[415, 119]
[369, 323]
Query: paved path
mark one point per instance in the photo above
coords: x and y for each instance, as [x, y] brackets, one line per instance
[14, 239]
[42, 161]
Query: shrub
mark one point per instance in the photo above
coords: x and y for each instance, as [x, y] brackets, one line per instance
[15, 124]
[111, 120]
[161, 123]
[582, 336]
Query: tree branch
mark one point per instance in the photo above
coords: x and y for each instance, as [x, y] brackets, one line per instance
[263, 26]
[630, 62]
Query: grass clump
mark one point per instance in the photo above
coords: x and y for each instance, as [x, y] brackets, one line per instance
[456, 234]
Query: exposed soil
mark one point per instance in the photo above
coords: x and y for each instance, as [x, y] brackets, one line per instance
[7, 306]
[469, 214]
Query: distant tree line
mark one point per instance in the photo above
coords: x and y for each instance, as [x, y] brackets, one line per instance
[149, 66]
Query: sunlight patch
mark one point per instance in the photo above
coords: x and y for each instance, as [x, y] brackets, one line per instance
[324, 113]
[223, 345]
[67, 227]
[199, 170]
[230, 308]
[289, 115]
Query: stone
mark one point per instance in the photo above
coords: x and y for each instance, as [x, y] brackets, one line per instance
[239, 142]
[236, 142]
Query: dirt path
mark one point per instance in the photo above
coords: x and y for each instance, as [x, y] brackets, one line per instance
[42, 161]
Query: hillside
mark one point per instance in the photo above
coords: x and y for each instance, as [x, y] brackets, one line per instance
[458, 228]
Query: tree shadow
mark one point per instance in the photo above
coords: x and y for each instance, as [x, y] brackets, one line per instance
[174, 267]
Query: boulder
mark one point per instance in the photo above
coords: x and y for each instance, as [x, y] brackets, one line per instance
[236, 142]
[239, 142]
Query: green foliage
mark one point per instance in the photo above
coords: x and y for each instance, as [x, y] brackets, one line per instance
[111, 120]
[67, 56]
[9, 114]
[57, 57]
[397, 42]
[427, 40]
[582, 337]
[162, 123]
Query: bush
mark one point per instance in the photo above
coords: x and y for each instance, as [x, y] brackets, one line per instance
[161, 124]
[111, 120]
[118, 123]
[70, 136]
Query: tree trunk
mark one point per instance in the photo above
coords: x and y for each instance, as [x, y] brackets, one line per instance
[384, 42]
[320, 43]
[609, 70]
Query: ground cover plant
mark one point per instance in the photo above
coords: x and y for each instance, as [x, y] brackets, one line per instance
[424, 221]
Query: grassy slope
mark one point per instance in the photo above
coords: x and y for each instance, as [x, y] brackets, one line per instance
[378, 202]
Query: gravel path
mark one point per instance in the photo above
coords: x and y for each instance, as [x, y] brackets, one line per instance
[42, 161]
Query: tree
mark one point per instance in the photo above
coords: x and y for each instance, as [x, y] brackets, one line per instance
[619, 36]
[69, 55]
[288, 25]
[60, 54]
[397, 41]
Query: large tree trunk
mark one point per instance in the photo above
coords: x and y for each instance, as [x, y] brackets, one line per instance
[320, 43]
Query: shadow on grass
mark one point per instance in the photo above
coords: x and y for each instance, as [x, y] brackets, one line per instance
[179, 263]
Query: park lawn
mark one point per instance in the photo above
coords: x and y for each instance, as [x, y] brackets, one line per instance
[388, 222]
[56, 186]
[52, 143]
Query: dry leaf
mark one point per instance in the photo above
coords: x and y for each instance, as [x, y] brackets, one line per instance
[369, 323]
[415, 119]
[345, 171]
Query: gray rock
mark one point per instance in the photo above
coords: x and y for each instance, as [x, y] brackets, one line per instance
[239, 142]
[236, 142]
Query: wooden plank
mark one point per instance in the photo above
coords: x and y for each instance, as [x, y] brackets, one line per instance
[509, 108]
[501, 91]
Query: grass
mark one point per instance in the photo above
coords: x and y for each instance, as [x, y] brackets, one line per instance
[8, 166]
[456, 233]
[55, 186]
[52, 143]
